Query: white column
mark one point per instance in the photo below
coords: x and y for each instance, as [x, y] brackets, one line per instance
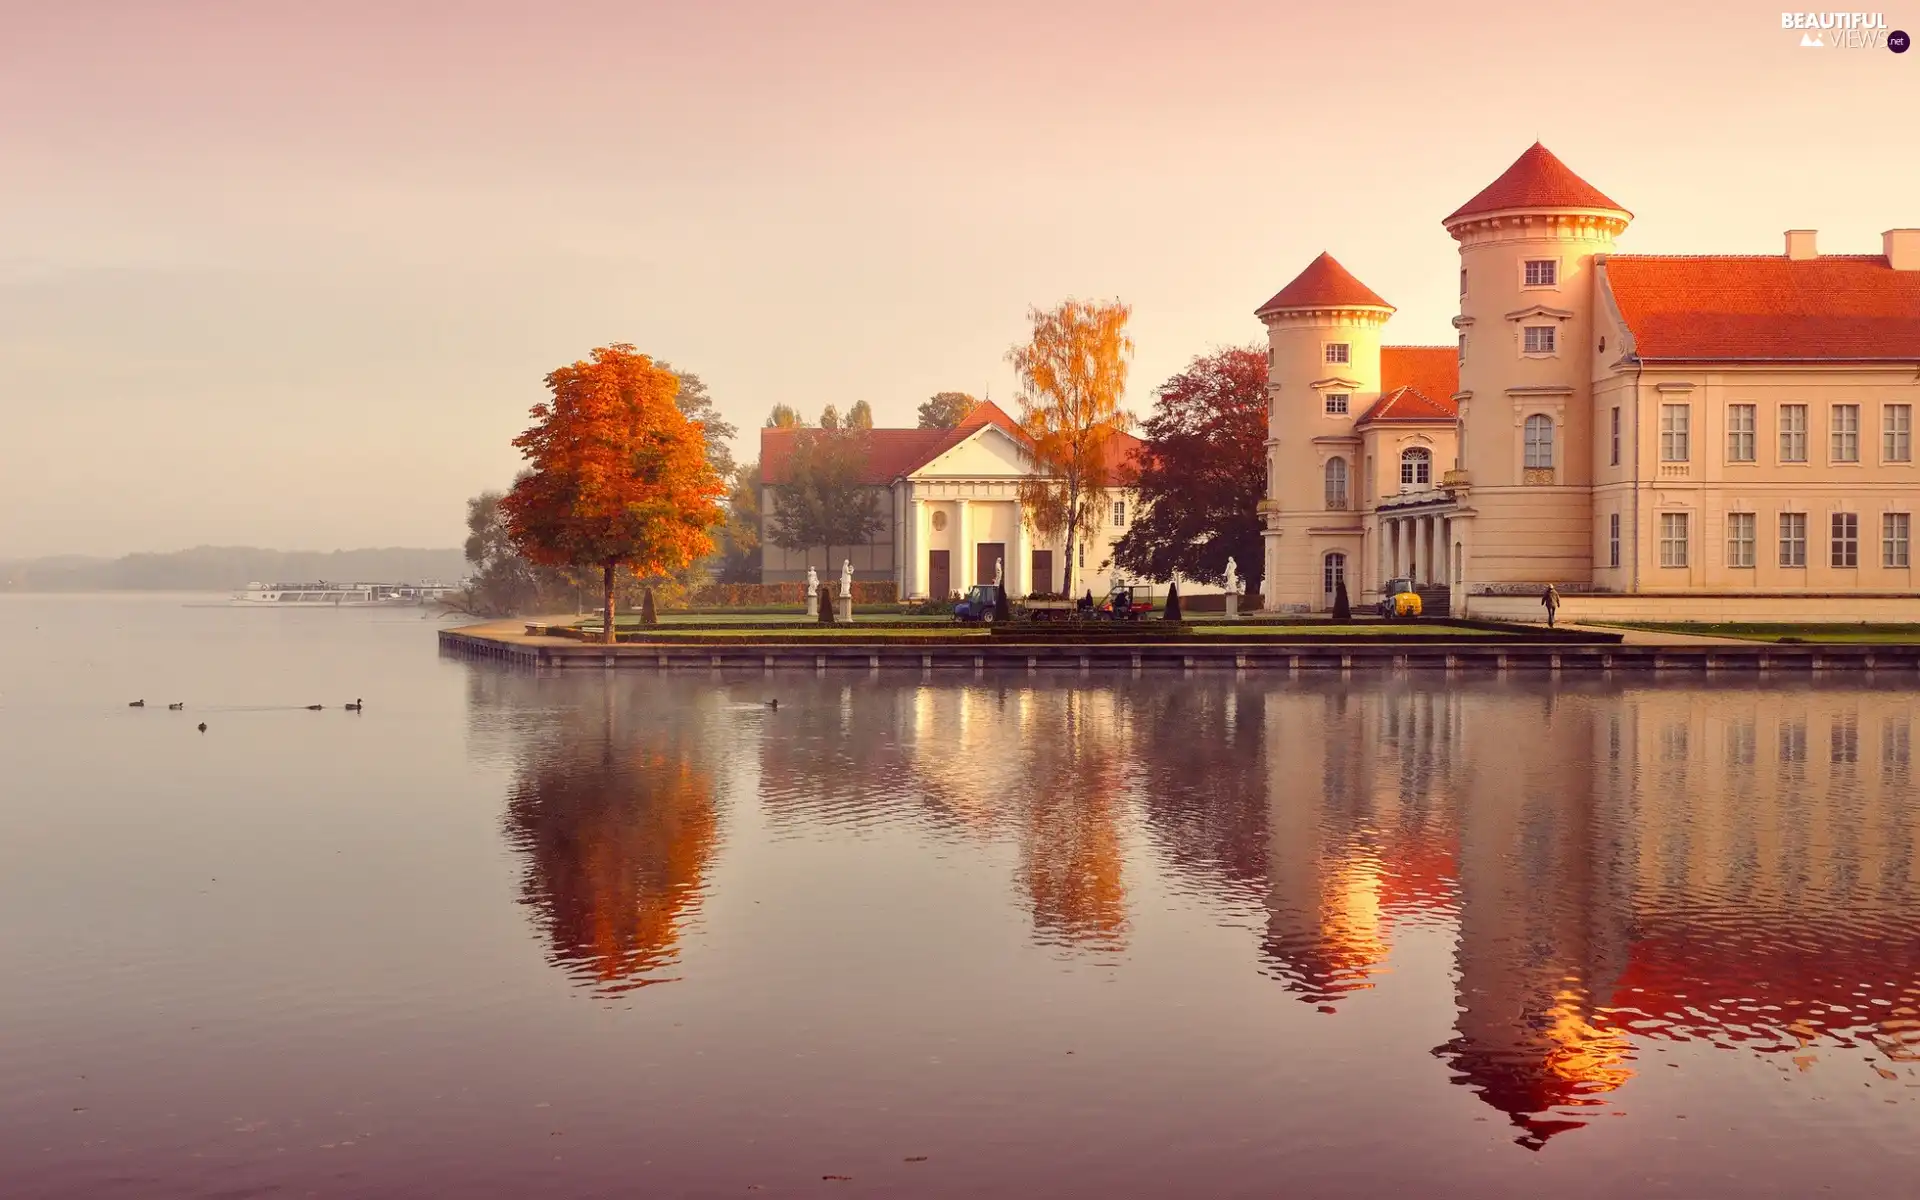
[962, 548]
[914, 581]
[1399, 548]
[1018, 567]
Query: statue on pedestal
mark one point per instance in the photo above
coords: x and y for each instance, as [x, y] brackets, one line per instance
[999, 570]
[813, 580]
[846, 579]
[1233, 577]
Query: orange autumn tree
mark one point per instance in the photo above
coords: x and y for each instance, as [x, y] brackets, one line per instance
[1072, 375]
[616, 477]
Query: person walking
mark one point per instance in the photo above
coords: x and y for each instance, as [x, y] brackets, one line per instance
[1550, 600]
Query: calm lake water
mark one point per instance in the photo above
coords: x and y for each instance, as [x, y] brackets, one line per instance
[630, 935]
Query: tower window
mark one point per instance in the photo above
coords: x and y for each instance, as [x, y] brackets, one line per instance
[1543, 272]
[1539, 442]
[1463, 348]
[1416, 468]
[1538, 339]
[1463, 281]
[1336, 484]
[1337, 404]
[1339, 353]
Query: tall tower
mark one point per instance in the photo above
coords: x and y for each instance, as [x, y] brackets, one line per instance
[1527, 245]
[1323, 351]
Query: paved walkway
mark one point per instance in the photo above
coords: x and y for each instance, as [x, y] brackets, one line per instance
[1649, 637]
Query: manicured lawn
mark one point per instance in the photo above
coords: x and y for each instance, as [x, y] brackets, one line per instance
[1863, 633]
[1370, 629]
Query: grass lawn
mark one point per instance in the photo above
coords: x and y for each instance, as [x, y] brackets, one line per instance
[1327, 629]
[1863, 633]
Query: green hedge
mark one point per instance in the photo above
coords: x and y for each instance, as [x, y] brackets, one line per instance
[772, 595]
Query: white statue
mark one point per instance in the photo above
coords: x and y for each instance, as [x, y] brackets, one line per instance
[1233, 577]
[813, 581]
[999, 568]
[846, 579]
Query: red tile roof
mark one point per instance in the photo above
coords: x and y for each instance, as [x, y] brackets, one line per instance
[1535, 180]
[1324, 284]
[893, 453]
[1852, 308]
[1417, 383]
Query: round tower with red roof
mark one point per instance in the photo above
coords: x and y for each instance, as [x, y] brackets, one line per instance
[1526, 469]
[1323, 357]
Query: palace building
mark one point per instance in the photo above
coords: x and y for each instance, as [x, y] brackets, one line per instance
[1690, 436]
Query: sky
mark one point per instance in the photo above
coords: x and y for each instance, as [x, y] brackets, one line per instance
[291, 275]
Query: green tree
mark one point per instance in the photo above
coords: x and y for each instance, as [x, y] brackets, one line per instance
[1202, 474]
[1072, 373]
[503, 583]
[696, 404]
[860, 416]
[825, 500]
[740, 536]
[783, 416]
[829, 417]
[945, 410]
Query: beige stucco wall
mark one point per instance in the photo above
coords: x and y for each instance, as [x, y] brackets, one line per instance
[1528, 527]
[1700, 608]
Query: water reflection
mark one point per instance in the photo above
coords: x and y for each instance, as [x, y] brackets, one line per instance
[613, 810]
[1616, 868]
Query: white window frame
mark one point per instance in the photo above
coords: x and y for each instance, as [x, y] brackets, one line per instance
[1743, 422]
[1843, 541]
[1673, 539]
[1337, 404]
[1896, 533]
[1843, 441]
[1119, 514]
[1896, 433]
[1337, 354]
[1342, 500]
[1463, 347]
[1552, 333]
[1529, 445]
[1616, 436]
[1414, 462]
[1793, 540]
[1676, 430]
[1528, 282]
[1742, 533]
[1793, 433]
[1613, 539]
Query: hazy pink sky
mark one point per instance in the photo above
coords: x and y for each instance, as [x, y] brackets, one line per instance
[293, 278]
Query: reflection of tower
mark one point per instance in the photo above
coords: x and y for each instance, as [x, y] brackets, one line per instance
[1543, 918]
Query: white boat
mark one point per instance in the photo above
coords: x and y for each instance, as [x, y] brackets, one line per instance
[341, 595]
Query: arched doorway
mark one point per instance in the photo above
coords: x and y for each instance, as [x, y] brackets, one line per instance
[1333, 573]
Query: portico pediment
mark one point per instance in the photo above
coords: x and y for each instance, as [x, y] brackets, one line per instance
[989, 452]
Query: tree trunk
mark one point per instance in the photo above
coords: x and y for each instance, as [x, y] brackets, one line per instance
[1073, 526]
[607, 630]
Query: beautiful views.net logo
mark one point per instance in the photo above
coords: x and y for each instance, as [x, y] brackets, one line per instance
[1845, 30]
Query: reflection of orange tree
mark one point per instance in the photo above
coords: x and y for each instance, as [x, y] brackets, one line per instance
[1073, 783]
[618, 840]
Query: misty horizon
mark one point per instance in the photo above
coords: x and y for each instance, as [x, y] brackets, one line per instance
[295, 277]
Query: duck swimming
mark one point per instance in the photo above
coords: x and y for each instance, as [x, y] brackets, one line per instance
[315, 707]
[137, 704]
[354, 707]
[203, 727]
[176, 707]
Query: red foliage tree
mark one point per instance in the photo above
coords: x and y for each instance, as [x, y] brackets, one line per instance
[617, 475]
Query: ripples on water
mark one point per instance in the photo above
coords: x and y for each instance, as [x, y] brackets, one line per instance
[1080, 936]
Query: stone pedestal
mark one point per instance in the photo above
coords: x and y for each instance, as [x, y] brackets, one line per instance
[843, 610]
[1233, 607]
[813, 606]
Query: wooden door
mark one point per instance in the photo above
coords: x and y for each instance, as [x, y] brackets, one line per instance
[986, 556]
[939, 575]
[1042, 578]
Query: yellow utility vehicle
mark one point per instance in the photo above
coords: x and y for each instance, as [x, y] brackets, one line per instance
[1398, 601]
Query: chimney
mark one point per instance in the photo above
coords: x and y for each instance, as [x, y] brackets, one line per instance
[1800, 243]
[1902, 248]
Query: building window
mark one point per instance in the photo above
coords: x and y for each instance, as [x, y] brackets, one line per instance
[1539, 441]
[1673, 539]
[1537, 339]
[1333, 573]
[1336, 404]
[1675, 425]
[1082, 556]
[1740, 532]
[1337, 484]
[1896, 433]
[1542, 272]
[1613, 539]
[1793, 433]
[1894, 528]
[1793, 539]
[1616, 435]
[1339, 353]
[1269, 358]
[1463, 348]
[1119, 514]
[1463, 281]
[1416, 467]
[1740, 438]
[1846, 433]
[1846, 539]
